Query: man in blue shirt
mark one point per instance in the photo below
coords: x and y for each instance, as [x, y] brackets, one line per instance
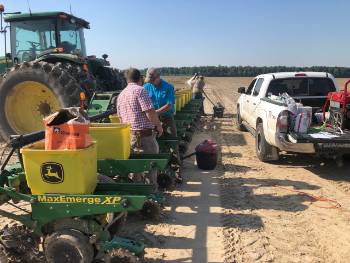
[163, 99]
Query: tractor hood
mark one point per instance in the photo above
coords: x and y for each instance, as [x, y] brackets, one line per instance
[45, 15]
[54, 57]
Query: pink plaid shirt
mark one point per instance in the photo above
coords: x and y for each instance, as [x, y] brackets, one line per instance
[132, 103]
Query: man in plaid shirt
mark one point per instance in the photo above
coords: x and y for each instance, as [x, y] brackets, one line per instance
[135, 107]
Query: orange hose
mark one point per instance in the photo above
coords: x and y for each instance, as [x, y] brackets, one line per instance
[315, 198]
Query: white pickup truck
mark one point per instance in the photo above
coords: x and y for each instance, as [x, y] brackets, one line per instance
[269, 120]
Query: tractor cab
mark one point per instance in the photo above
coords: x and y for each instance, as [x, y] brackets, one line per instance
[41, 34]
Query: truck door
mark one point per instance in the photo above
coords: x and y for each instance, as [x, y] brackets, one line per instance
[253, 103]
[245, 101]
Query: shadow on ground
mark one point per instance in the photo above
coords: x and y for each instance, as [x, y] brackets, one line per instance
[325, 168]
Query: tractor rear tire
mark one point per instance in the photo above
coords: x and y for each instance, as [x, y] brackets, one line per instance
[111, 79]
[68, 245]
[86, 80]
[32, 90]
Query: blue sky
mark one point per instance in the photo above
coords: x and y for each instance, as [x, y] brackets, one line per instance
[202, 32]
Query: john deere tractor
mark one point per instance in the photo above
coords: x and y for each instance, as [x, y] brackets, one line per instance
[47, 69]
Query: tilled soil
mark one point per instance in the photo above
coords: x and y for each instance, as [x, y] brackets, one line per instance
[273, 212]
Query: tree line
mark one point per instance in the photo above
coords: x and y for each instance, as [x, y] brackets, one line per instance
[249, 71]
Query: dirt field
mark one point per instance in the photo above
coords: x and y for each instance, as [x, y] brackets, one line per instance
[266, 215]
[245, 210]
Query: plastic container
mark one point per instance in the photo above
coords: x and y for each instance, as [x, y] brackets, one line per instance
[207, 155]
[189, 94]
[113, 140]
[303, 119]
[183, 101]
[114, 119]
[67, 136]
[178, 101]
[218, 111]
[60, 171]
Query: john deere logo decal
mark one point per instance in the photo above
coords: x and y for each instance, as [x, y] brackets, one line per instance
[52, 173]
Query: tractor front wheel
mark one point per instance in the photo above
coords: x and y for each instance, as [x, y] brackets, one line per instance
[68, 245]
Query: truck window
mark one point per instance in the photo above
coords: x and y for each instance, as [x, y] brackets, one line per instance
[320, 86]
[257, 87]
[250, 87]
[301, 87]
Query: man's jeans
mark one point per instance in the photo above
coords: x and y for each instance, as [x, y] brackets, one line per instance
[169, 126]
[148, 145]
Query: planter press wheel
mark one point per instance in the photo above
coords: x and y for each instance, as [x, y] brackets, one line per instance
[120, 255]
[150, 209]
[164, 180]
[115, 220]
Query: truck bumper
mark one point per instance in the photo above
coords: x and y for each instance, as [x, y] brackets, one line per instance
[285, 145]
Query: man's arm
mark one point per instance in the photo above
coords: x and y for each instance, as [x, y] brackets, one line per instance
[165, 108]
[147, 107]
[153, 117]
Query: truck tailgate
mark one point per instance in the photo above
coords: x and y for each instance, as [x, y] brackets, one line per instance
[340, 143]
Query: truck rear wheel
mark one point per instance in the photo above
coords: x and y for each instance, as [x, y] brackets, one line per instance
[264, 151]
[30, 92]
[68, 246]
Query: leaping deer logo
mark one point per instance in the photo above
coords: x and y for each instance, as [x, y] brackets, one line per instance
[52, 173]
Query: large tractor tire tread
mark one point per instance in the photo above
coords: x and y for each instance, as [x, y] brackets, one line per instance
[86, 80]
[57, 77]
[110, 79]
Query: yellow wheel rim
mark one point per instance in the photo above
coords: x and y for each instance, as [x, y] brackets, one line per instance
[27, 104]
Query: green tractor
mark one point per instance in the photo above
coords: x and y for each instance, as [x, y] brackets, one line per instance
[47, 69]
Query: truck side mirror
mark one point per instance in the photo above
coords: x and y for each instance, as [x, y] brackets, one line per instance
[241, 90]
[8, 55]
